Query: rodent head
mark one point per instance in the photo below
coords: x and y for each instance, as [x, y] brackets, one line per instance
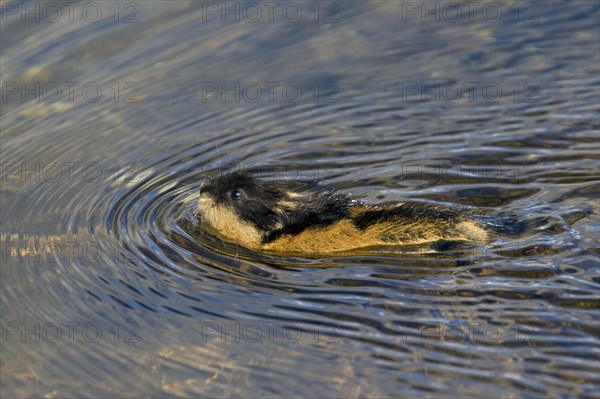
[241, 207]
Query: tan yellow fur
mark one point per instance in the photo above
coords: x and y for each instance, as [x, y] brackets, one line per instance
[472, 231]
[341, 236]
[228, 224]
[420, 228]
[344, 236]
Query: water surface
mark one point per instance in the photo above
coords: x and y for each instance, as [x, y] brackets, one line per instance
[105, 292]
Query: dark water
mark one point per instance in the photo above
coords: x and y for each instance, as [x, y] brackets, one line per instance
[104, 293]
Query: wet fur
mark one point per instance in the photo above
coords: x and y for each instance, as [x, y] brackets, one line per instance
[273, 220]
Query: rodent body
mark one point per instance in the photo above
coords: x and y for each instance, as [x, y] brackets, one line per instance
[263, 217]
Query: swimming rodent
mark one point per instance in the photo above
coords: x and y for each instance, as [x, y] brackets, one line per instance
[264, 217]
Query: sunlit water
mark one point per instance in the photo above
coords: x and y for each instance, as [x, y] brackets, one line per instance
[109, 289]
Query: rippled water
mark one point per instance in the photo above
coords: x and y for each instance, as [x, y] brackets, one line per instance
[107, 291]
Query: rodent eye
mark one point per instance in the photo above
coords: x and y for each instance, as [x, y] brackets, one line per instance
[236, 195]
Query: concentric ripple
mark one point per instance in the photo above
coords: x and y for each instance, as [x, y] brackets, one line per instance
[183, 313]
